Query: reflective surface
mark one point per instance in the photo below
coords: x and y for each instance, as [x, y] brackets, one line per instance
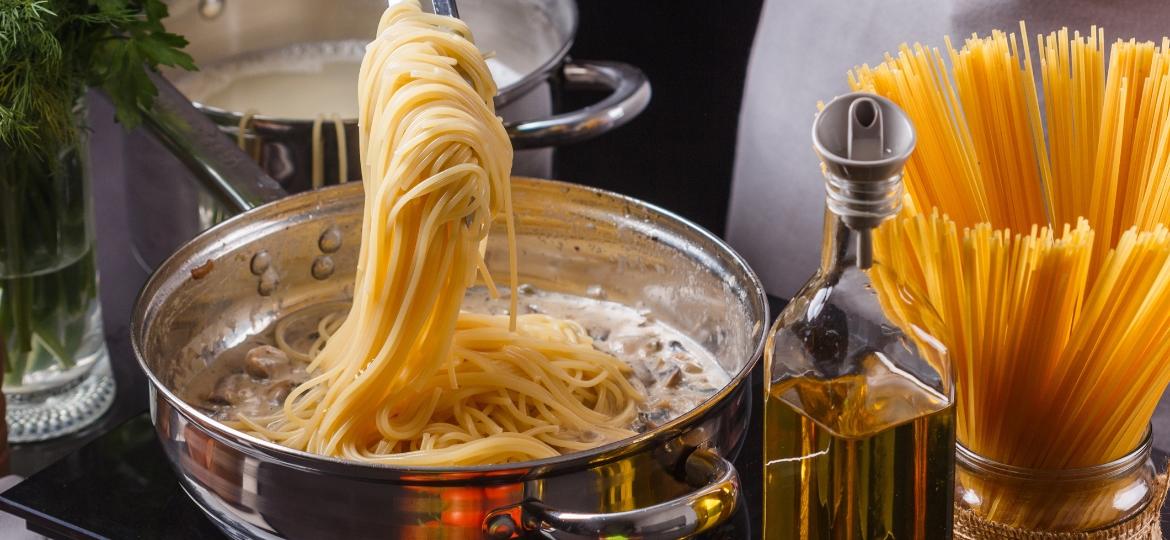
[859, 418]
[570, 238]
[527, 38]
[143, 498]
[1056, 500]
[530, 37]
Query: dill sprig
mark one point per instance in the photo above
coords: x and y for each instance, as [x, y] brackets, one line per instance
[52, 50]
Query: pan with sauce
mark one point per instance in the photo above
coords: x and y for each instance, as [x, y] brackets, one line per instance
[676, 373]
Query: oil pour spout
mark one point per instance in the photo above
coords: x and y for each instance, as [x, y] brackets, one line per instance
[863, 141]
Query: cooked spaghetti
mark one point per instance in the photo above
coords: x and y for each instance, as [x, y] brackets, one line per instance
[407, 378]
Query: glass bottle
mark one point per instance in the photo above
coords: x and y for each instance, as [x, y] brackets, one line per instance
[859, 416]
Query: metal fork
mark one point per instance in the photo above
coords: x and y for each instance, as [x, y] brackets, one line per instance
[445, 7]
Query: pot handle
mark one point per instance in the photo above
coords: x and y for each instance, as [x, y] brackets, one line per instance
[713, 501]
[630, 94]
[220, 166]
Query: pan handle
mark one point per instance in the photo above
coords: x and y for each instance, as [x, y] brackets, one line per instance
[630, 94]
[220, 166]
[713, 501]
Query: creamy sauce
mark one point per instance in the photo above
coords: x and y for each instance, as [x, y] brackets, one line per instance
[300, 81]
[254, 377]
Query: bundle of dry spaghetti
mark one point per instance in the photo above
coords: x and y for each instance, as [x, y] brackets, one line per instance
[1037, 200]
[407, 378]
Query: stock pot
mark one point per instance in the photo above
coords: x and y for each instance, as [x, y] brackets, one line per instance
[669, 482]
[531, 37]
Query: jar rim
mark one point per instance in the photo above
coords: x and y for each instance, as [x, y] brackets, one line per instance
[1133, 459]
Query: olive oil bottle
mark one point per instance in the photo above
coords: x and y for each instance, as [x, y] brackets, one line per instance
[859, 433]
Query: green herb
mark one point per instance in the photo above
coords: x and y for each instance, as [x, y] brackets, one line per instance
[51, 50]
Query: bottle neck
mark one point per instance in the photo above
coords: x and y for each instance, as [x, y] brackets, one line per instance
[844, 246]
[853, 209]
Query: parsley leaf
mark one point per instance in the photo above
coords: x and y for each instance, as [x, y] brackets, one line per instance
[51, 50]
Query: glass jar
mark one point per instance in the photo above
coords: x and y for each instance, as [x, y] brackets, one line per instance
[56, 368]
[1056, 500]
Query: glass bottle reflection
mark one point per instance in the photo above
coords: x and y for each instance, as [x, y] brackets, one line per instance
[859, 417]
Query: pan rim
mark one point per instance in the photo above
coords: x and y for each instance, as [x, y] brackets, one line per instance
[170, 270]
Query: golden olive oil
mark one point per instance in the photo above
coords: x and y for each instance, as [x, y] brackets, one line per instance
[851, 475]
[859, 433]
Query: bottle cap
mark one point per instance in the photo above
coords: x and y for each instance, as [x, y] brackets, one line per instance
[863, 140]
[863, 137]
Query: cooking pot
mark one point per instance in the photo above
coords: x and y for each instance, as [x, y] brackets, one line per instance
[531, 37]
[668, 482]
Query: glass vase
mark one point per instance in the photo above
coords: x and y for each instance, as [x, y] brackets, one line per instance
[1056, 500]
[57, 377]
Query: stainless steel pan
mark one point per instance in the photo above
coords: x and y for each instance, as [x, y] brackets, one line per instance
[531, 37]
[666, 483]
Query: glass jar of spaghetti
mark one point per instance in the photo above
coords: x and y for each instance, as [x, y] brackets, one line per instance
[1056, 500]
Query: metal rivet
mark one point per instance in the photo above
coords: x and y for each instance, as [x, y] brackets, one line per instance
[268, 282]
[211, 9]
[501, 527]
[595, 291]
[260, 262]
[330, 240]
[323, 267]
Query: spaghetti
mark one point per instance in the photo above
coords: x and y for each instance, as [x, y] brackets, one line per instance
[407, 378]
[1040, 239]
[1103, 158]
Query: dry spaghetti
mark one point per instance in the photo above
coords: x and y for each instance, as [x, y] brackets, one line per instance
[1039, 236]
